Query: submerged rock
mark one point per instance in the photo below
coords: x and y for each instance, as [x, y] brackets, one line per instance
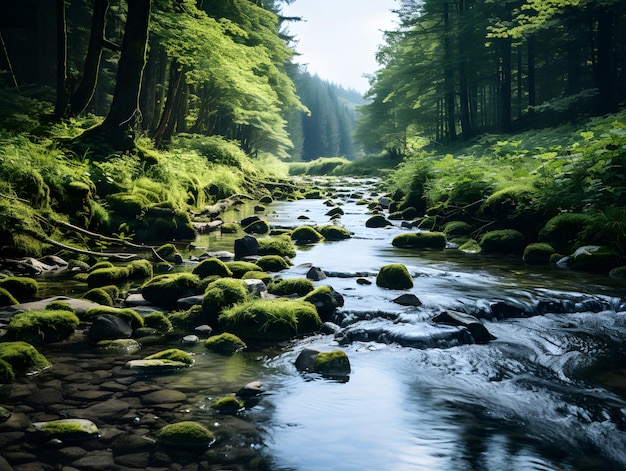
[479, 332]
[67, 429]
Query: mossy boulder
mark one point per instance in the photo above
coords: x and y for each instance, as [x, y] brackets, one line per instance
[278, 245]
[332, 232]
[167, 252]
[211, 266]
[188, 319]
[420, 240]
[22, 358]
[240, 268]
[258, 275]
[20, 287]
[326, 301]
[138, 269]
[538, 253]
[126, 205]
[595, 258]
[223, 293]
[67, 429]
[162, 222]
[59, 306]
[289, 286]
[225, 343]
[270, 320]
[118, 346]
[6, 298]
[164, 290]
[100, 264]
[470, 246]
[514, 208]
[273, 263]
[107, 276]
[42, 326]
[257, 227]
[158, 321]
[188, 434]
[306, 235]
[172, 354]
[394, 276]
[455, 229]
[377, 221]
[227, 405]
[99, 296]
[566, 231]
[503, 241]
[333, 363]
[132, 317]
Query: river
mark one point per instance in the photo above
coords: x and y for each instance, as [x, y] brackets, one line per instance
[548, 394]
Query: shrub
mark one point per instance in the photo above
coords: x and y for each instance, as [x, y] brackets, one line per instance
[42, 326]
[273, 263]
[20, 287]
[211, 266]
[334, 232]
[131, 316]
[420, 240]
[538, 254]
[106, 276]
[306, 235]
[6, 298]
[165, 290]
[239, 268]
[225, 343]
[279, 245]
[394, 276]
[287, 286]
[271, 320]
[504, 241]
[172, 354]
[22, 357]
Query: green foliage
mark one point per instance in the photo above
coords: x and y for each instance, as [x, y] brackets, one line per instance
[306, 235]
[270, 320]
[172, 354]
[273, 263]
[394, 276]
[277, 245]
[42, 326]
[287, 286]
[225, 343]
[20, 287]
[131, 316]
[504, 241]
[318, 167]
[211, 266]
[166, 289]
[420, 240]
[22, 357]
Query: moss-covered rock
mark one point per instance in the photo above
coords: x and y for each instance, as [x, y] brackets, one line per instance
[158, 321]
[565, 231]
[538, 253]
[99, 296]
[270, 320]
[277, 245]
[306, 235]
[230, 228]
[100, 264]
[162, 222]
[42, 326]
[618, 273]
[20, 287]
[455, 229]
[333, 363]
[186, 434]
[595, 258]
[211, 266]
[138, 269]
[167, 252]
[172, 354]
[189, 319]
[127, 206]
[227, 405]
[377, 221]
[22, 357]
[59, 306]
[325, 299]
[503, 241]
[165, 290]
[67, 429]
[131, 316]
[258, 275]
[240, 268]
[273, 263]
[107, 276]
[470, 246]
[6, 298]
[121, 346]
[257, 227]
[223, 293]
[332, 232]
[225, 344]
[394, 276]
[420, 240]
[289, 286]
[7, 375]
[514, 208]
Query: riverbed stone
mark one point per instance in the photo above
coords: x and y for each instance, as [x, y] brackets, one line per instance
[109, 327]
[67, 429]
[394, 276]
[377, 221]
[306, 359]
[407, 299]
[252, 389]
[316, 274]
[246, 246]
[95, 461]
[163, 396]
[479, 332]
[155, 366]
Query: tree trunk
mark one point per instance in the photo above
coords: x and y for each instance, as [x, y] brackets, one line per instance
[448, 74]
[61, 108]
[505, 86]
[606, 78]
[176, 75]
[532, 90]
[87, 87]
[466, 128]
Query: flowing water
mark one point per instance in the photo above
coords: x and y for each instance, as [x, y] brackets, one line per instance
[548, 394]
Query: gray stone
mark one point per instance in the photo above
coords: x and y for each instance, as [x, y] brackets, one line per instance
[306, 359]
[109, 327]
[408, 300]
[478, 331]
[155, 366]
[252, 389]
[316, 274]
[95, 461]
[256, 288]
[246, 246]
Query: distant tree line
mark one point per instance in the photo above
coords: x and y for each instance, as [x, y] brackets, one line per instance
[455, 69]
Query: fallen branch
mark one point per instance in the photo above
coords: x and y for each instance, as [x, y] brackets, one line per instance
[96, 236]
[116, 256]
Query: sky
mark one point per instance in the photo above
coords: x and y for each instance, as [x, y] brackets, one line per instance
[338, 39]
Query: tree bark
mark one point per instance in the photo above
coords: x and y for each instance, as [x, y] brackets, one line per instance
[448, 74]
[606, 77]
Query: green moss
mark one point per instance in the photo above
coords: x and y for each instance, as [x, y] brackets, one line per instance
[333, 363]
[6, 298]
[59, 306]
[67, 429]
[167, 252]
[138, 269]
[23, 357]
[106, 276]
[99, 265]
[20, 287]
[279, 245]
[158, 320]
[258, 275]
[230, 228]
[565, 231]
[420, 240]
[270, 320]
[325, 299]
[377, 221]
[257, 227]
[457, 229]
[129, 315]
[228, 405]
[471, 246]
[126, 205]
[185, 434]
[172, 354]
[514, 206]
[306, 235]
[394, 276]
[332, 232]
[221, 294]
[165, 290]
[225, 343]
[211, 266]
[239, 268]
[273, 263]
[504, 241]
[7, 374]
[42, 326]
[98, 295]
[538, 254]
[187, 320]
[287, 286]
[125, 346]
